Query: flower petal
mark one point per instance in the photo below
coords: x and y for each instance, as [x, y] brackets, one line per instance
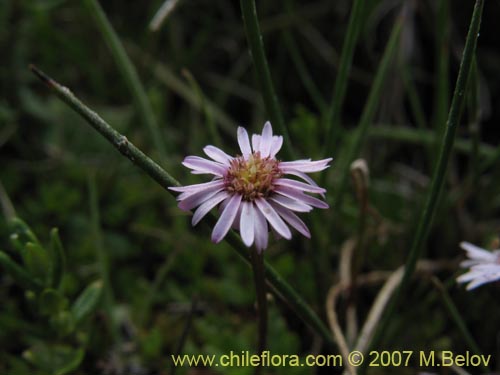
[293, 220]
[207, 206]
[274, 219]
[306, 166]
[291, 204]
[276, 145]
[261, 232]
[226, 219]
[256, 142]
[244, 142]
[476, 253]
[297, 185]
[218, 155]
[247, 223]
[305, 178]
[304, 198]
[266, 140]
[196, 187]
[193, 200]
[202, 165]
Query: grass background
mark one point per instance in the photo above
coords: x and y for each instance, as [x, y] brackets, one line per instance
[199, 79]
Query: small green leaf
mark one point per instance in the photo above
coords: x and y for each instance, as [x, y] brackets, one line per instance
[37, 261]
[54, 359]
[18, 273]
[87, 301]
[63, 323]
[58, 257]
[21, 234]
[51, 302]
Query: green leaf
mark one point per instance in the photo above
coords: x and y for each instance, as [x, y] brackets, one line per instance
[18, 273]
[63, 323]
[87, 301]
[54, 359]
[21, 234]
[37, 261]
[58, 257]
[51, 302]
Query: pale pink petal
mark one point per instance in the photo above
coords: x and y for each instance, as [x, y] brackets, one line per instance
[218, 155]
[293, 220]
[266, 140]
[202, 165]
[237, 218]
[304, 198]
[289, 203]
[196, 187]
[195, 199]
[244, 142]
[305, 178]
[276, 222]
[226, 218]
[297, 185]
[276, 145]
[484, 277]
[261, 233]
[247, 223]
[476, 253]
[207, 206]
[256, 142]
[306, 166]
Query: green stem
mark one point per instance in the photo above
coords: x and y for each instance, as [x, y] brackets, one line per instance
[129, 74]
[256, 46]
[260, 290]
[339, 90]
[455, 315]
[136, 156]
[428, 138]
[427, 214]
[368, 111]
[101, 254]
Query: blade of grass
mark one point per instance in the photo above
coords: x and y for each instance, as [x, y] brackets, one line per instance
[457, 318]
[368, 111]
[101, 254]
[164, 179]
[340, 88]
[427, 213]
[212, 128]
[442, 99]
[129, 74]
[256, 46]
[428, 138]
[302, 72]
[166, 76]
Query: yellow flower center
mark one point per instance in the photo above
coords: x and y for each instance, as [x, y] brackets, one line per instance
[252, 178]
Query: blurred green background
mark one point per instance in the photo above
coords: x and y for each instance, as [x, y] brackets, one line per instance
[167, 287]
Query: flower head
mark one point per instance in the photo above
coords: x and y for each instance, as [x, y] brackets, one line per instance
[251, 189]
[484, 266]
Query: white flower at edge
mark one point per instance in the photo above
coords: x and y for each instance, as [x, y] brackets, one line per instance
[484, 266]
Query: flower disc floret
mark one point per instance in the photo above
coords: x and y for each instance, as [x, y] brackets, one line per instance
[253, 177]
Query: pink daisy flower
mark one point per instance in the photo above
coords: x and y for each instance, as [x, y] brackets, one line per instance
[251, 190]
[484, 266]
